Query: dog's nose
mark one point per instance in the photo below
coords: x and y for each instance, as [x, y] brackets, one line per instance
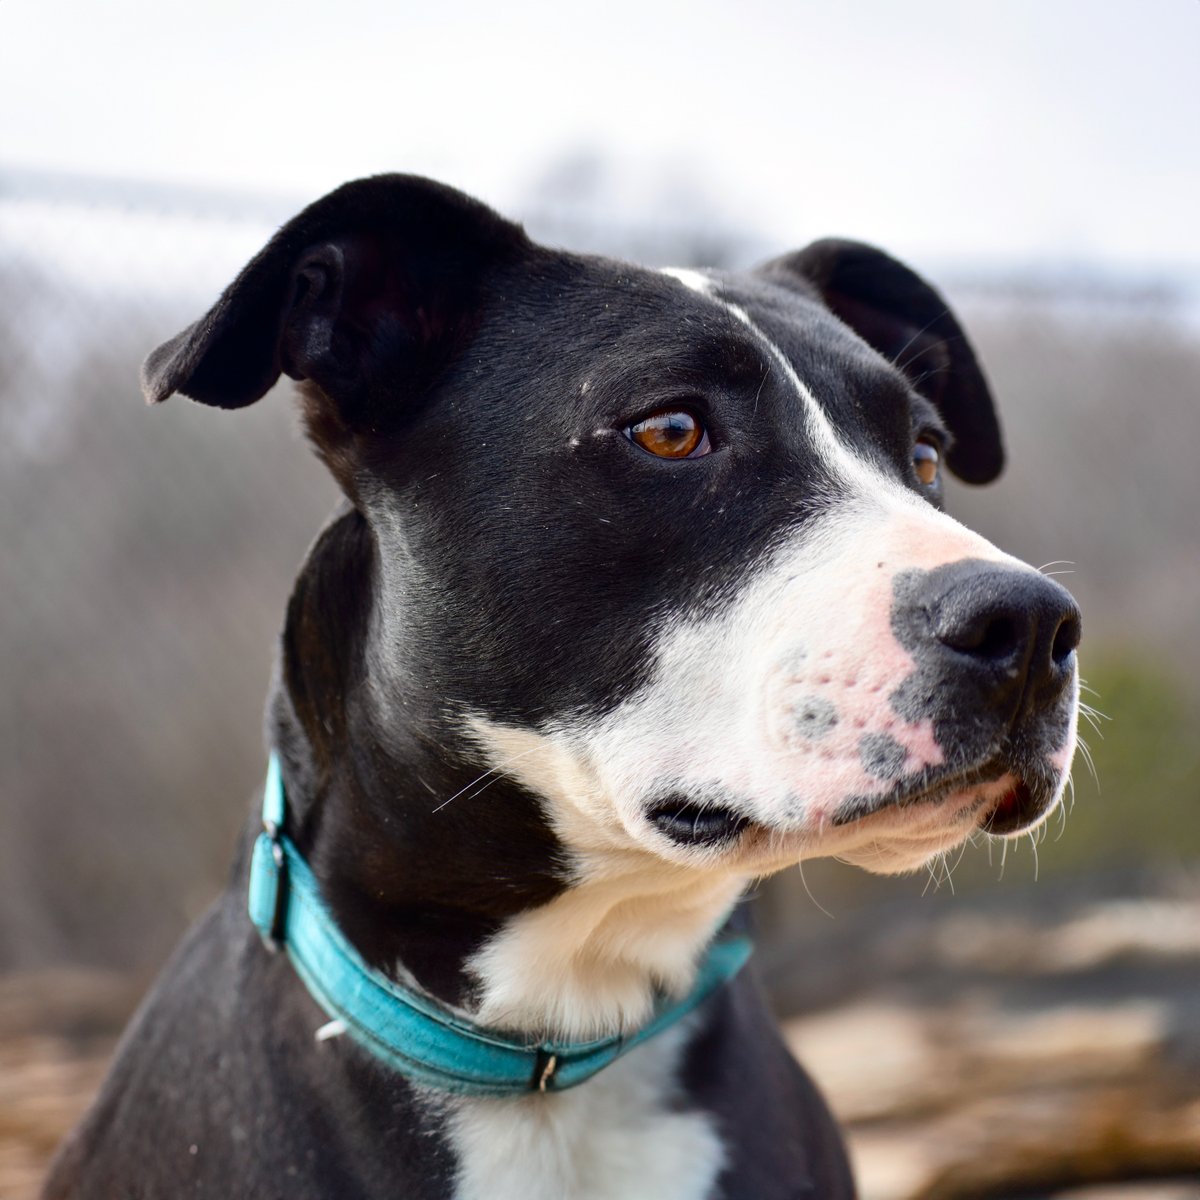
[1010, 629]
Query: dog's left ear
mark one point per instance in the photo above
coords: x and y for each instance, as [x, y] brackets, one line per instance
[368, 293]
[902, 317]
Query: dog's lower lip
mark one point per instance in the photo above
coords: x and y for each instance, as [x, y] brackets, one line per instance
[691, 824]
[1011, 813]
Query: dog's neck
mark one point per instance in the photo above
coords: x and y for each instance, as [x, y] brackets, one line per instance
[565, 961]
[590, 962]
[463, 892]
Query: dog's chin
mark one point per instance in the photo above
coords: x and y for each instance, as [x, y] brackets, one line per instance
[887, 834]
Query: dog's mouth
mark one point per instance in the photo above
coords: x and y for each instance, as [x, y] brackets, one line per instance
[689, 823]
[1003, 802]
[1016, 808]
[1005, 797]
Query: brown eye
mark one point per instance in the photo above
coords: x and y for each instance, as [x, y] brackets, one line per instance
[670, 434]
[926, 462]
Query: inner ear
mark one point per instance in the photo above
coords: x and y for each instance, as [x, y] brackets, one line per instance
[306, 342]
[373, 324]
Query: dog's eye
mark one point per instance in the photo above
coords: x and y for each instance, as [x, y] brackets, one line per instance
[671, 433]
[926, 461]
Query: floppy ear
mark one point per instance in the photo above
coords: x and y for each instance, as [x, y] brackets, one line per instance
[368, 292]
[895, 311]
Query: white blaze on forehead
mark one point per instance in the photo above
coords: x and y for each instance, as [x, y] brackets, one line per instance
[695, 281]
[836, 456]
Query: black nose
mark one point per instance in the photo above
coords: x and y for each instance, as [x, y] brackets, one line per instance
[1009, 630]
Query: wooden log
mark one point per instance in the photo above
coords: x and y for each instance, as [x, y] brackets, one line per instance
[1022, 1054]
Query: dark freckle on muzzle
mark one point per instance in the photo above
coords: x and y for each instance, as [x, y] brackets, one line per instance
[882, 756]
[813, 717]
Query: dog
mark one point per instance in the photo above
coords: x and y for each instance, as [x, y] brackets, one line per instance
[641, 590]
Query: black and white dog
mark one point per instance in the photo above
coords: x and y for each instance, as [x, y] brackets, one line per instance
[642, 590]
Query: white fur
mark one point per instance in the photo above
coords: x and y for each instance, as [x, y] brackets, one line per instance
[619, 1137]
[588, 963]
[694, 281]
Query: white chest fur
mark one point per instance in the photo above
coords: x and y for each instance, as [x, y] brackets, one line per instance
[620, 1136]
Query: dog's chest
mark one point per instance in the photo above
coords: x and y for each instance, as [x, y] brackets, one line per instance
[627, 1134]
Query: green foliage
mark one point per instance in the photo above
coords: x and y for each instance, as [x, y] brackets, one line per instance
[1145, 807]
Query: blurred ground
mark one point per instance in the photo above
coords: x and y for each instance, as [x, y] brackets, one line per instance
[147, 557]
[1000, 1047]
[57, 1031]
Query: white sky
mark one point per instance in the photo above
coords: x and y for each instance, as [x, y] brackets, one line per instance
[994, 130]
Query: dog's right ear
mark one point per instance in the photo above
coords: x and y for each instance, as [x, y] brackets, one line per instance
[904, 318]
[369, 292]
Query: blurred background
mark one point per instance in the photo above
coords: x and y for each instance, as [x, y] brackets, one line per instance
[1022, 1021]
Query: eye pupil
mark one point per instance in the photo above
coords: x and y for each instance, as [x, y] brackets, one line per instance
[668, 434]
[926, 462]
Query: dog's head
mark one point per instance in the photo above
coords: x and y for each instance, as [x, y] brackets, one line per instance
[665, 548]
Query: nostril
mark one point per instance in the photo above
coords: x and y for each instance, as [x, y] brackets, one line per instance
[1066, 638]
[986, 635]
[999, 639]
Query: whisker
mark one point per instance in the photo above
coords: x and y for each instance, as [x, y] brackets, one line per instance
[962, 853]
[487, 785]
[920, 379]
[1086, 752]
[808, 891]
[1093, 717]
[928, 324]
[498, 771]
[948, 868]
[932, 877]
[1062, 816]
[762, 384]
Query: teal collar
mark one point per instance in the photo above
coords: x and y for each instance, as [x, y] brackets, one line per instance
[405, 1029]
